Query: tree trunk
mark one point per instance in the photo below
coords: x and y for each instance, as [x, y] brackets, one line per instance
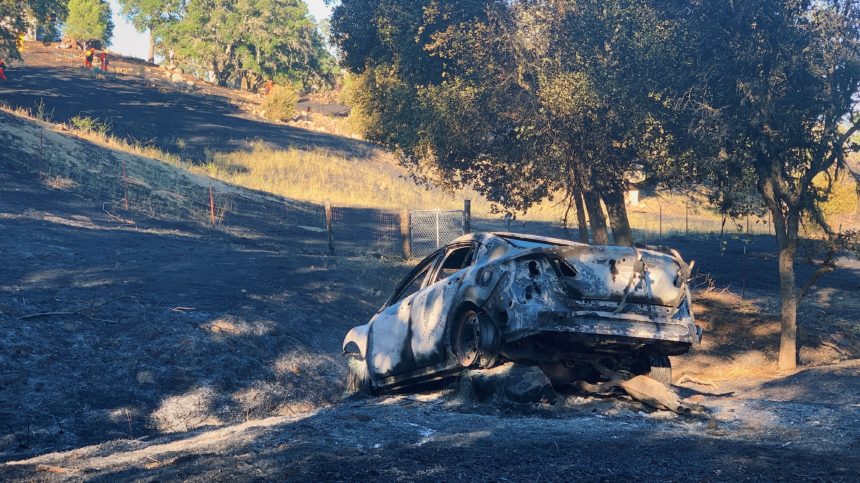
[150, 54]
[596, 217]
[788, 307]
[581, 221]
[621, 233]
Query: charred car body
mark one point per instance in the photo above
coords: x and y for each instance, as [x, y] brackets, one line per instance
[567, 306]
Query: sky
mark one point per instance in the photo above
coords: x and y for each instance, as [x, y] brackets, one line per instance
[130, 42]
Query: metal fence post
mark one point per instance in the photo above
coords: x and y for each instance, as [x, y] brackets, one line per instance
[467, 216]
[406, 233]
[328, 226]
[437, 228]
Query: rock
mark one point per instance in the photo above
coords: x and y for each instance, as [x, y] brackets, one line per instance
[528, 384]
[516, 382]
[176, 77]
[145, 377]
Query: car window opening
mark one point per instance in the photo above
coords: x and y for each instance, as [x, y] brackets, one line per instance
[414, 282]
[455, 261]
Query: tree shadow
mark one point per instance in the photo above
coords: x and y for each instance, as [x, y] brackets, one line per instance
[187, 124]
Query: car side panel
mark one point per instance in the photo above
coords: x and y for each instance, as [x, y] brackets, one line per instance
[388, 349]
[429, 314]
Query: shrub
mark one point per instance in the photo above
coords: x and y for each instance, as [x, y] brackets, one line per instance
[280, 103]
[89, 125]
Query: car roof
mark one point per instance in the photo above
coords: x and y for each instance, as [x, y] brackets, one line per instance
[484, 236]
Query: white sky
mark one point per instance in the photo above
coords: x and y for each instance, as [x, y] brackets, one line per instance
[128, 41]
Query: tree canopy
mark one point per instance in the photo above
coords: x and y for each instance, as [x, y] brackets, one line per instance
[774, 88]
[20, 16]
[150, 15]
[89, 19]
[521, 100]
[248, 41]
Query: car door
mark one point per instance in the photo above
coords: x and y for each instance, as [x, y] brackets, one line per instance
[431, 305]
[389, 350]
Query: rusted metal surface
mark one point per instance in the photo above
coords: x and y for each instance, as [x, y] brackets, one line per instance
[548, 300]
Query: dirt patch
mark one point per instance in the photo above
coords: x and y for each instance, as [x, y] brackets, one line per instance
[741, 338]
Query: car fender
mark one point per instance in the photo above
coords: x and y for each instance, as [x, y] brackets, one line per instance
[356, 340]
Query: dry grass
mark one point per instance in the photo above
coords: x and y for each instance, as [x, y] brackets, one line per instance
[318, 175]
[337, 125]
[376, 181]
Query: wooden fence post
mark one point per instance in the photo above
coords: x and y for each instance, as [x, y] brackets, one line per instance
[406, 233]
[211, 206]
[661, 220]
[686, 219]
[125, 185]
[467, 216]
[328, 226]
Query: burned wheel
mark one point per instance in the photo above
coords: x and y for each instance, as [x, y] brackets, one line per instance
[661, 369]
[357, 377]
[656, 366]
[475, 340]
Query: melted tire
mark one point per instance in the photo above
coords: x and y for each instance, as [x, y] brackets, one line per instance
[357, 377]
[661, 369]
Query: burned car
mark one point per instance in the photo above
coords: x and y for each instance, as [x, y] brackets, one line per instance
[492, 297]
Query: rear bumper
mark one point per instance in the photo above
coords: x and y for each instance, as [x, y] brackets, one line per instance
[607, 324]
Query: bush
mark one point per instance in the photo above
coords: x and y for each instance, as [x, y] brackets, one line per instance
[280, 103]
[89, 125]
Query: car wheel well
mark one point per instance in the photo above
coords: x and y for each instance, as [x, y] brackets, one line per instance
[352, 348]
[483, 343]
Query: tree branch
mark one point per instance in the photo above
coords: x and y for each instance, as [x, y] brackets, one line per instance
[827, 266]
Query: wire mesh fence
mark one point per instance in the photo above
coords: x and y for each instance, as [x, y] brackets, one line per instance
[433, 229]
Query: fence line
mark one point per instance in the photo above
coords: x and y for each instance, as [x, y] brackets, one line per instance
[160, 192]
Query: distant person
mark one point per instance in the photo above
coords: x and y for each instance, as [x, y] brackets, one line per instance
[88, 57]
[103, 60]
[2, 70]
[267, 87]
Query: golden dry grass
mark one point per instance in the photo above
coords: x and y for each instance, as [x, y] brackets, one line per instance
[374, 181]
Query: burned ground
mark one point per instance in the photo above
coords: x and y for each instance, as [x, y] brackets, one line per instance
[148, 108]
[158, 348]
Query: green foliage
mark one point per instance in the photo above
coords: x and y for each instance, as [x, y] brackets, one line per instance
[519, 99]
[773, 119]
[280, 103]
[149, 14]
[16, 17]
[89, 19]
[89, 125]
[248, 41]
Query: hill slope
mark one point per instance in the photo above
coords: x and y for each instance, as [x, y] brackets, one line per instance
[122, 323]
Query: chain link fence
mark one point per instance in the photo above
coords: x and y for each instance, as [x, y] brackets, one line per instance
[433, 229]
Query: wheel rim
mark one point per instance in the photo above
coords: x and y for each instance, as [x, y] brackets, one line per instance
[466, 339]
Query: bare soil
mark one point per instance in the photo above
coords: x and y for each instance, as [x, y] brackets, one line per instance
[153, 347]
